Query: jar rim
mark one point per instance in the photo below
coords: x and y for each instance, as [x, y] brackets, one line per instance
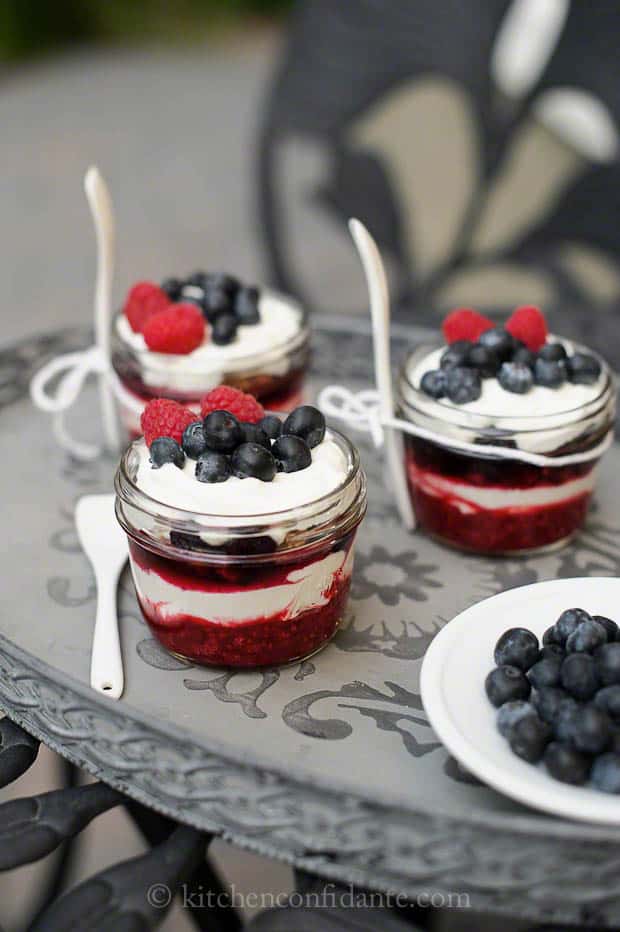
[237, 364]
[410, 397]
[337, 510]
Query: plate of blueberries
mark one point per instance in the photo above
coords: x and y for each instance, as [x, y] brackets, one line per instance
[523, 689]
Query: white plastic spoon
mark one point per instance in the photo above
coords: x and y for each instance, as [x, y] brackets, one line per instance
[105, 545]
[380, 313]
[100, 204]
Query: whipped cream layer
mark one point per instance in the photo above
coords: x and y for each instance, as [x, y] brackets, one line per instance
[281, 322]
[248, 502]
[304, 588]
[540, 421]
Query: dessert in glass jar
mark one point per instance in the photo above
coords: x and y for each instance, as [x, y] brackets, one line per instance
[241, 530]
[186, 336]
[509, 424]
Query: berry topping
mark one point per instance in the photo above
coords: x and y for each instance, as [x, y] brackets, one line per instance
[463, 385]
[465, 324]
[528, 325]
[216, 301]
[173, 288]
[254, 433]
[250, 460]
[194, 442]
[222, 431]
[583, 369]
[483, 359]
[291, 453]
[166, 450]
[433, 383]
[222, 280]
[515, 377]
[502, 343]
[224, 328]
[524, 357]
[244, 407]
[212, 466]
[552, 352]
[246, 306]
[197, 278]
[272, 425]
[455, 355]
[163, 417]
[178, 329]
[143, 301]
[549, 374]
[517, 647]
[306, 422]
[505, 684]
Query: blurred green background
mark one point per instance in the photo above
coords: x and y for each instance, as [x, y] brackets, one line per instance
[30, 28]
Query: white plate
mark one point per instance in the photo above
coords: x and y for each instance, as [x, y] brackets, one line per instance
[452, 687]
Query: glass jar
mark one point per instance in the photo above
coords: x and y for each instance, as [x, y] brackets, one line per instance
[498, 504]
[245, 591]
[274, 375]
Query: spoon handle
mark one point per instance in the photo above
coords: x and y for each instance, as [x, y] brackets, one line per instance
[106, 664]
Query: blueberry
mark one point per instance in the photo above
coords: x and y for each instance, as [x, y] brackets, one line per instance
[608, 699]
[502, 343]
[194, 441]
[455, 354]
[251, 460]
[222, 431]
[552, 352]
[272, 425]
[433, 383]
[515, 377]
[216, 301]
[545, 672]
[166, 450]
[483, 359]
[172, 287]
[607, 660]
[605, 773]
[586, 637]
[246, 306]
[525, 357]
[546, 700]
[583, 369]
[529, 737]
[224, 329]
[610, 626]
[568, 622]
[552, 650]
[510, 713]
[549, 374]
[564, 719]
[254, 433]
[591, 730]
[551, 636]
[463, 385]
[517, 647]
[579, 675]
[291, 453]
[306, 422]
[566, 764]
[503, 684]
[212, 467]
[223, 281]
[197, 278]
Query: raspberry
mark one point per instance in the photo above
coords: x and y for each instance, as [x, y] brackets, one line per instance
[465, 324]
[529, 325]
[142, 301]
[179, 329]
[224, 398]
[164, 417]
